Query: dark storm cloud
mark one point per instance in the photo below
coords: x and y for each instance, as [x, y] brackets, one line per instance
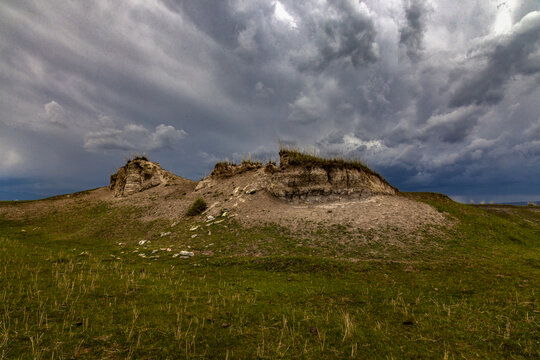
[451, 127]
[134, 138]
[412, 34]
[344, 30]
[84, 84]
[505, 57]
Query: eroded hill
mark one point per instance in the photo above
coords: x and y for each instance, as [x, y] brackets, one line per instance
[324, 275]
[305, 191]
[302, 193]
[140, 174]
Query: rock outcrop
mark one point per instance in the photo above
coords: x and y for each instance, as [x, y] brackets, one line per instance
[305, 178]
[313, 179]
[138, 175]
[226, 169]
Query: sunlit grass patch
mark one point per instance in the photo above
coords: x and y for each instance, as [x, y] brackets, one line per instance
[72, 285]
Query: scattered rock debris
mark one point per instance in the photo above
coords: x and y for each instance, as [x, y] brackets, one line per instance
[184, 254]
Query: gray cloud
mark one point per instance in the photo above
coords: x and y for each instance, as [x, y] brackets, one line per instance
[533, 132]
[341, 30]
[505, 57]
[412, 34]
[84, 84]
[452, 127]
[523, 7]
[54, 114]
[165, 137]
[9, 158]
[134, 138]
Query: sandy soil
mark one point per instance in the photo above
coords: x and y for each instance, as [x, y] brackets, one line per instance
[245, 196]
[375, 212]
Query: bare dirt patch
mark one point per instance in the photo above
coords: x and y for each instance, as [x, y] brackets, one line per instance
[246, 196]
[375, 212]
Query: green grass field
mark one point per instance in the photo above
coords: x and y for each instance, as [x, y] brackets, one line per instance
[78, 282]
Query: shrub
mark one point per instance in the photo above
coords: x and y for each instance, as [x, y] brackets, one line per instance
[136, 157]
[197, 207]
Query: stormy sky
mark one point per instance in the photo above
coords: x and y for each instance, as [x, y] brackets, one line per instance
[435, 95]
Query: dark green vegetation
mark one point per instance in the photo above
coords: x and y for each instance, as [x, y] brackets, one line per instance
[77, 282]
[136, 157]
[198, 206]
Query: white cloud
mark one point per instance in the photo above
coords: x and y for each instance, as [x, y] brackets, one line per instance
[494, 61]
[133, 137]
[352, 143]
[306, 109]
[503, 20]
[165, 137]
[313, 104]
[54, 114]
[246, 37]
[9, 158]
[282, 15]
[278, 69]
[111, 139]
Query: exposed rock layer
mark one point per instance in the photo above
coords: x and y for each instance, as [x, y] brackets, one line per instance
[310, 179]
[313, 184]
[137, 175]
[226, 169]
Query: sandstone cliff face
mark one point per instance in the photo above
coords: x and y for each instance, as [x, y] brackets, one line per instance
[315, 184]
[311, 179]
[225, 169]
[305, 178]
[137, 175]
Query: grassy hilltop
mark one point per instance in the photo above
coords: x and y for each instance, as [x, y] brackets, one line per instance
[76, 281]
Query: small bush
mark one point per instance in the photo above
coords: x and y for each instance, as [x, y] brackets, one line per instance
[197, 207]
[141, 157]
[136, 157]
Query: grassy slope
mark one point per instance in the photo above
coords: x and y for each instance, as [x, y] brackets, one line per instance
[68, 289]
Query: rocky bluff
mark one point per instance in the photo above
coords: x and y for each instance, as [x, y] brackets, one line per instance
[309, 178]
[306, 178]
[137, 175]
